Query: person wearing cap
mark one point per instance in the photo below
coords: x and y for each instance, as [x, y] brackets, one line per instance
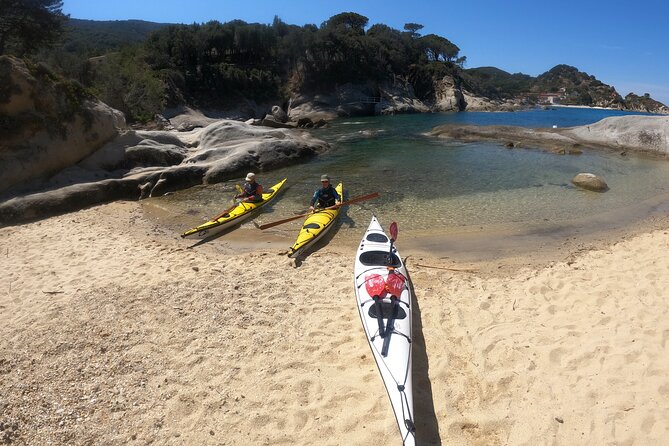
[252, 189]
[326, 196]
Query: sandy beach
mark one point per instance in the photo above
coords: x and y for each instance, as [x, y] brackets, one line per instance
[113, 331]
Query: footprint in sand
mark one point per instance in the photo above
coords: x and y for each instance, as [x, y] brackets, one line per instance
[555, 356]
[300, 418]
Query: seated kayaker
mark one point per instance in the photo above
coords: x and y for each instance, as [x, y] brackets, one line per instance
[252, 189]
[326, 196]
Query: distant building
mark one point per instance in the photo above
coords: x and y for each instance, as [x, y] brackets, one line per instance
[549, 98]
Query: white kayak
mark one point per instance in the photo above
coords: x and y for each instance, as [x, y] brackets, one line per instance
[384, 302]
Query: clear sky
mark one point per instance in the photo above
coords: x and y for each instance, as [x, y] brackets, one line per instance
[623, 43]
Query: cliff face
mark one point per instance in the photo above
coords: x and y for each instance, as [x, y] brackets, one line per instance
[449, 93]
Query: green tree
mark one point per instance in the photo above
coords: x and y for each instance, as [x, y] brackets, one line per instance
[412, 29]
[438, 48]
[349, 21]
[124, 81]
[28, 25]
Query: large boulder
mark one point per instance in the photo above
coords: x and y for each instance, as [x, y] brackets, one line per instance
[590, 181]
[48, 123]
[639, 133]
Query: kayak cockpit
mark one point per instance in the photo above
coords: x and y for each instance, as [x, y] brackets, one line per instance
[380, 258]
[376, 237]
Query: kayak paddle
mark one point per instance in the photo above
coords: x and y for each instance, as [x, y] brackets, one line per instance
[376, 285]
[297, 217]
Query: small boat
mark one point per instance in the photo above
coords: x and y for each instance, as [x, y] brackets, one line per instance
[315, 227]
[237, 214]
[383, 296]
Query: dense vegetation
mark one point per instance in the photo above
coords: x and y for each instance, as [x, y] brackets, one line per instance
[495, 83]
[26, 26]
[138, 67]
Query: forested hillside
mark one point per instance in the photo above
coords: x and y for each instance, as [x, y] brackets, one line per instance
[141, 67]
[215, 64]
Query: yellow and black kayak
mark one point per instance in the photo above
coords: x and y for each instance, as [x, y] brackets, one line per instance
[315, 226]
[239, 213]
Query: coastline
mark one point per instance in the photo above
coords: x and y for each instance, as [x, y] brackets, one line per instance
[113, 330]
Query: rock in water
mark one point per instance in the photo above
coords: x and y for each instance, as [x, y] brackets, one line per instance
[590, 181]
[278, 114]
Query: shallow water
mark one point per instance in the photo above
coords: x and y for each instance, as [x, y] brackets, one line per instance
[428, 183]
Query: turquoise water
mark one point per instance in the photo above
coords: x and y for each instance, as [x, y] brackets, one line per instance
[426, 182]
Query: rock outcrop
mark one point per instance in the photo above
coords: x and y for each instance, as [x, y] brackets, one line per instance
[448, 96]
[47, 123]
[139, 163]
[645, 104]
[637, 133]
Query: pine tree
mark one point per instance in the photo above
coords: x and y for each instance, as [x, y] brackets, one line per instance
[27, 25]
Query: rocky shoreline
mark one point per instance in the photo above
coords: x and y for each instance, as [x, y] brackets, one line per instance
[647, 134]
[67, 151]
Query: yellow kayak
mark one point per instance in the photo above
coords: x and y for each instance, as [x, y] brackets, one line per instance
[241, 212]
[316, 226]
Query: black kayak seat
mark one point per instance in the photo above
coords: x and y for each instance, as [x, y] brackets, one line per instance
[380, 258]
[312, 226]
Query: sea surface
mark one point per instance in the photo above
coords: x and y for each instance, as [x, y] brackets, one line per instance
[428, 184]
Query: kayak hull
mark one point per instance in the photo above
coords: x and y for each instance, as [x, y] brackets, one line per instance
[242, 212]
[315, 226]
[394, 359]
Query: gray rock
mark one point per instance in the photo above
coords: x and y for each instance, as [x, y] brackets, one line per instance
[271, 122]
[278, 114]
[158, 163]
[637, 133]
[590, 181]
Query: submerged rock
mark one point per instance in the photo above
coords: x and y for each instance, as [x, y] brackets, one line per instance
[590, 181]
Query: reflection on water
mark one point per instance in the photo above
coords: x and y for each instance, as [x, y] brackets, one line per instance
[428, 183]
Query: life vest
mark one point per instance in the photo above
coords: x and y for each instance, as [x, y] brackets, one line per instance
[326, 197]
[253, 190]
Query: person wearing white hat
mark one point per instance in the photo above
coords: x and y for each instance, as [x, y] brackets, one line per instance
[326, 196]
[252, 189]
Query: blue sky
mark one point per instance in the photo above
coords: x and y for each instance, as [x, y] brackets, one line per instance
[622, 43]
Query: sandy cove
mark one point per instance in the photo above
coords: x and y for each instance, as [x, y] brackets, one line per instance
[113, 332]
